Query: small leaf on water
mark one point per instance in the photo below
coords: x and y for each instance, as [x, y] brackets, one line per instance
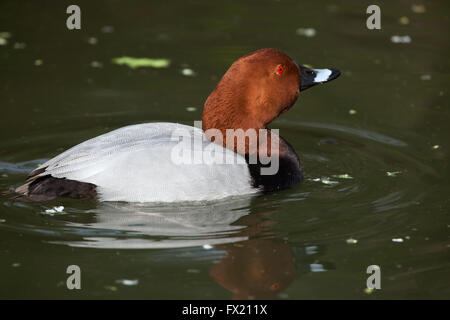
[187, 72]
[5, 35]
[403, 20]
[128, 282]
[134, 63]
[401, 39]
[327, 181]
[306, 32]
[111, 288]
[343, 176]
[59, 209]
[418, 8]
[392, 173]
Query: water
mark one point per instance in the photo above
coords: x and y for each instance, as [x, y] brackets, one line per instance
[374, 144]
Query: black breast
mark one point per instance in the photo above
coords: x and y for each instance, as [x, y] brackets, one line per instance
[289, 171]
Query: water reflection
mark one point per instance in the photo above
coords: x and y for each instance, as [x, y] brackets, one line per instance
[251, 261]
[258, 268]
[145, 226]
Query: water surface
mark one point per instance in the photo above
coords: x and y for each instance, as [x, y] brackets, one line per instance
[374, 144]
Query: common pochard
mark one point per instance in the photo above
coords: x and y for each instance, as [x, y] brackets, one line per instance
[147, 162]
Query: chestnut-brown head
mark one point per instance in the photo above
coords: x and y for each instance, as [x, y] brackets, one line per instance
[257, 88]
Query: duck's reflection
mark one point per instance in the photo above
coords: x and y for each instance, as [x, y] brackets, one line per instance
[141, 226]
[254, 262]
[257, 268]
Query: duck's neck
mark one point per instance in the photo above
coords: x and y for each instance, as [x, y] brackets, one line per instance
[228, 111]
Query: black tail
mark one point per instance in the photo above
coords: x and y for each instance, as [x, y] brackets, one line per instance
[48, 188]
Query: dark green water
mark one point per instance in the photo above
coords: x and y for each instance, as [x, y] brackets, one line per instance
[313, 241]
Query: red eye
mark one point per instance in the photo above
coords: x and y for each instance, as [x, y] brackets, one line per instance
[280, 69]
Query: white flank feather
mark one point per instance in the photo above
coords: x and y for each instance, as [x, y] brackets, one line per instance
[135, 164]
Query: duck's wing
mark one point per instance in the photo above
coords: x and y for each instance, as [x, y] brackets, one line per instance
[85, 159]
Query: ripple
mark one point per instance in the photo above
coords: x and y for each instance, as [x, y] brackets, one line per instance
[20, 167]
[371, 135]
[365, 157]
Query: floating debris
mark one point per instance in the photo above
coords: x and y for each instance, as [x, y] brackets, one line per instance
[92, 40]
[351, 241]
[96, 64]
[310, 250]
[193, 271]
[191, 109]
[107, 29]
[111, 288]
[403, 20]
[38, 62]
[397, 240]
[393, 173]
[55, 210]
[324, 180]
[368, 291]
[317, 267]
[16, 264]
[306, 32]
[418, 8]
[343, 176]
[425, 77]
[127, 282]
[134, 63]
[187, 72]
[327, 181]
[19, 45]
[283, 295]
[400, 39]
[207, 246]
[352, 111]
[436, 146]
[4, 36]
[2, 220]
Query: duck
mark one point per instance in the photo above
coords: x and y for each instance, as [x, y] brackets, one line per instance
[172, 162]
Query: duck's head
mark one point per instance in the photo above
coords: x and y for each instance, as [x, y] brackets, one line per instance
[257, 88]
